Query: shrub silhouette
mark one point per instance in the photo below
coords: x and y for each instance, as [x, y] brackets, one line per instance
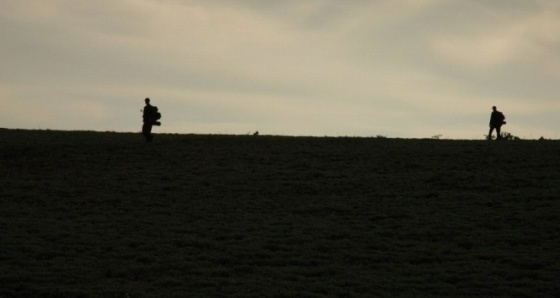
[509, 136]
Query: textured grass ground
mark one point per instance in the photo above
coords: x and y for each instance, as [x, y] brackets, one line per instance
[85, 214]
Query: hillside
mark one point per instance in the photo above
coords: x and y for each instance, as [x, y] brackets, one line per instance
[90, 214]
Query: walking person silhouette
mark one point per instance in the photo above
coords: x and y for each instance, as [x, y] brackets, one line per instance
[496, 121]
[150, 116]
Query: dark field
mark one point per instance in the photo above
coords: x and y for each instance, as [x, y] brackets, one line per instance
[85, 214]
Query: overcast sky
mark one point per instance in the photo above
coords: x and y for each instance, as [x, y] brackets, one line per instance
[397, 68]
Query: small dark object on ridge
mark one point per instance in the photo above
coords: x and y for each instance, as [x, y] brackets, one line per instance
[150, 117]
[497, 119]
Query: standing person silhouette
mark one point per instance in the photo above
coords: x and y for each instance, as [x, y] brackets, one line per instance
[148, 117]
[496, 122]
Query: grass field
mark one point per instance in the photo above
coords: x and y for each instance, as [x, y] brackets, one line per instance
[88, 214]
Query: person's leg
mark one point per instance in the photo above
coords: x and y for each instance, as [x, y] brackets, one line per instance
[150, 136]
[490, 133]
[498, 133]
[147, 132]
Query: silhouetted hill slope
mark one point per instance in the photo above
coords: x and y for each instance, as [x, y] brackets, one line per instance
[94, 214]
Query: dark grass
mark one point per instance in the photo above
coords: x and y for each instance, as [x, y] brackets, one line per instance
[86, 214]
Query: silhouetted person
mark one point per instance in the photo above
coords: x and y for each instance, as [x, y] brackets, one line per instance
[150, 116]
[496, 122]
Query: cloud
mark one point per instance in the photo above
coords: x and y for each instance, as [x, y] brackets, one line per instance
[401, 68]
[506, 38]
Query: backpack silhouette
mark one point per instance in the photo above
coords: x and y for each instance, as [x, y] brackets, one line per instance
[155, 115]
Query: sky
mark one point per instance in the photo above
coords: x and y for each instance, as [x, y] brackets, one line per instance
[392, 68]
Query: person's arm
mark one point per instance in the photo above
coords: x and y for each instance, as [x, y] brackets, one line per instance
[147, 113]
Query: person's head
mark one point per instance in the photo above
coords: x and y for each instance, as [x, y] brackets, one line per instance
[147, 100]
[493, 108]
